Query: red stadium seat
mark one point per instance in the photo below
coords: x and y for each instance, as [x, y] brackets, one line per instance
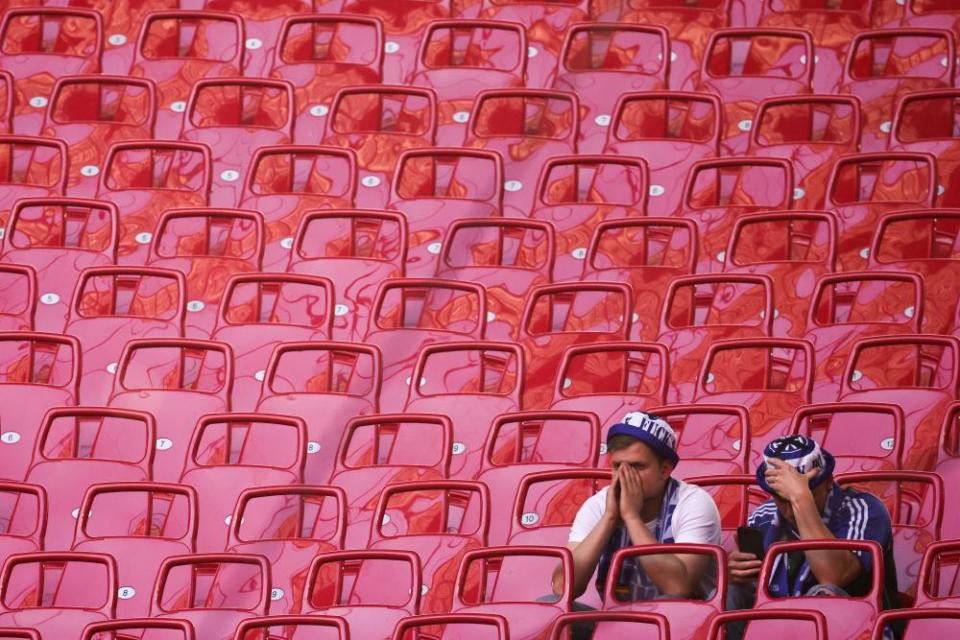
[511, 581]
[475, 626]
[372, 590]
[440, 521]
[152, 628]
[7, 91]
[949, 469]
[81, 446]
[838, 427]
[214, 592]
[924, 121]
[140, 524]
[337, 380]
[786, 624]
[58, 593]
[599, 55]
[232, 451]
[145, 178]
[19, 303]
[293, 628]
[177, 381]
[547, 502]
[736, 496]
[30, 168]
[39, 371]
[919, 623]
[289, 526]
[387, 449]
[23, 514]
[712, 439]
[937, 585]
[612, 624]
[671, 130]
[866, 186]
[176, 48]
[931, 13]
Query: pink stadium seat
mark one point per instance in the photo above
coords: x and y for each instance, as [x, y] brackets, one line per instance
[612, 624]
[949, 469]
[600, 55]
[145, 178]
[689, 618]
[9, 633]
[58, 593]
[883, 65]
[293, 628]
[30, 168]
[145, 628]
[287, 181]
[435, 187]
[564, 315]
[379, 123]
[720, 191]
[937, 585]
[671, 130]
[408, 314]
[527, 127]
[520, 444]
[865, 186]
[23, 518]
[924, 121]
[812, 132]
[743, 66]
[19, 304]
[387, 449]
[931, 13]
[712, 439]
[208, 246]
[177, 381]
[919, 623]
[647, 254]
[7, 91]
[859, 304]
[847, 617]
[38, 371]
[140, 524]
[41, 45]
[337, 380]
[214, 592]
[795, 249]
[371, 590]
[511, 581]
[578, 193]
[699, 310]
[258, 311]
[440, 521]
[91, 112]
[736, 496]
[288, 526]
[81, 446]
[232, 451]
[114, 304]
[474, 626]
[786, 624]
[918, 372]
[838, 427]
[177, 48]
[234, 117]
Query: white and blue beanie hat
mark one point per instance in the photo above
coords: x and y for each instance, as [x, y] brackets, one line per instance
[653, 431]
[801, 453]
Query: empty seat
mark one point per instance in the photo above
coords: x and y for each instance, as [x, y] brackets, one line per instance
[380, 122]
[526, 127]
[937, 585]
[288, 525]
[372, 590]
[287, 181]
[177, 381]
[336, 380]
[59, 237]
[151, 628]
[313, 627]
[939, 14]
[23, 519]
[140, 524]
[743, 66]
[577, 193]
[233, 451]
[848, 306]
[671, 130]
[19, 303]
[39, 371]
[434, 188]
[57, 594]
[866, 186]
[145, 178]
[547, 503]
[214, 592]
[81, 446]
[7, 90]
[440, 521]
[786, 624]
[793, 248]
[114, 304]
[712, 439]
[948, 468]
[920, 623]
[176, 48]
[653, 626]
[91, 112]
[475, 626]
[260, 310]
[839, 428]
[30, 167]
[736, 496]
[599, 55]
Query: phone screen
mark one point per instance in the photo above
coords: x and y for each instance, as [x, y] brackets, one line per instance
[750, 540]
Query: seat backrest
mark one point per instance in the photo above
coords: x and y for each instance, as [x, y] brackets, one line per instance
[915, 499]
[434, 508]
[652, 626]
[472, 175]
[68, 224]
[138, 510]
[320, 176]
[397, 440]
[601, 308]
[920, 361]
[350, 234]
[47, 359]
[145, 628]
[225, 235]
[950, 432]
[543, 437]
[44, 32]
[144, 293]
[231, 581]
[171, 364]
[900, 55]
[788, 624]
[684, 118]
[939, 583]
[758, 365]
[97, 434]
[497, 243]
[925, 116]
[888, 179]
[430, 304]
[370, 578]
[592, 182]
[33, 162]
[719, 432]
[57, 580]
[551, 500]
[278, 299]
[614, 368]
[642, 246]
[248, 440]
[19, 304]
[839, 428]
[736, 496]
[524, 114]
[773, 54]
[316, 367]
[314, 627]
[917, 238]
[289, 514]
[369, 112]
[919, 623]
[109, 101]
[477, 626]
[715, 554]
[239, 103]
[867, 297]
[467, 369]
[157, 165]
[731, 300]
[796, 237]
[468, 45]
[212, 38]
[515, 574]
[744, 184]
[598, 47]
[330, 44]
[23, 512]
[811, 121]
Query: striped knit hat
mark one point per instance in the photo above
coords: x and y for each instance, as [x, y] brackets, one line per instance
[801, 453]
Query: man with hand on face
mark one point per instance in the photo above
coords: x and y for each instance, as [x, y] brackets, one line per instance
[644, 505]
[807, 504]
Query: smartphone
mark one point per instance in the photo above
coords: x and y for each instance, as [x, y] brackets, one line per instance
[750, 540]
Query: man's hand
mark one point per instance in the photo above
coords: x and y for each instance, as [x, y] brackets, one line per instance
[631, 494]
[787, 482]
[612, 510]
[744, 568]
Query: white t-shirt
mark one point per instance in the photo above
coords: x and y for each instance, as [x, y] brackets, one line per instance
[696, 520]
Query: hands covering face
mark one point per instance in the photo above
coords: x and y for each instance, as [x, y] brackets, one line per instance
[788, 483]
[631, 492]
